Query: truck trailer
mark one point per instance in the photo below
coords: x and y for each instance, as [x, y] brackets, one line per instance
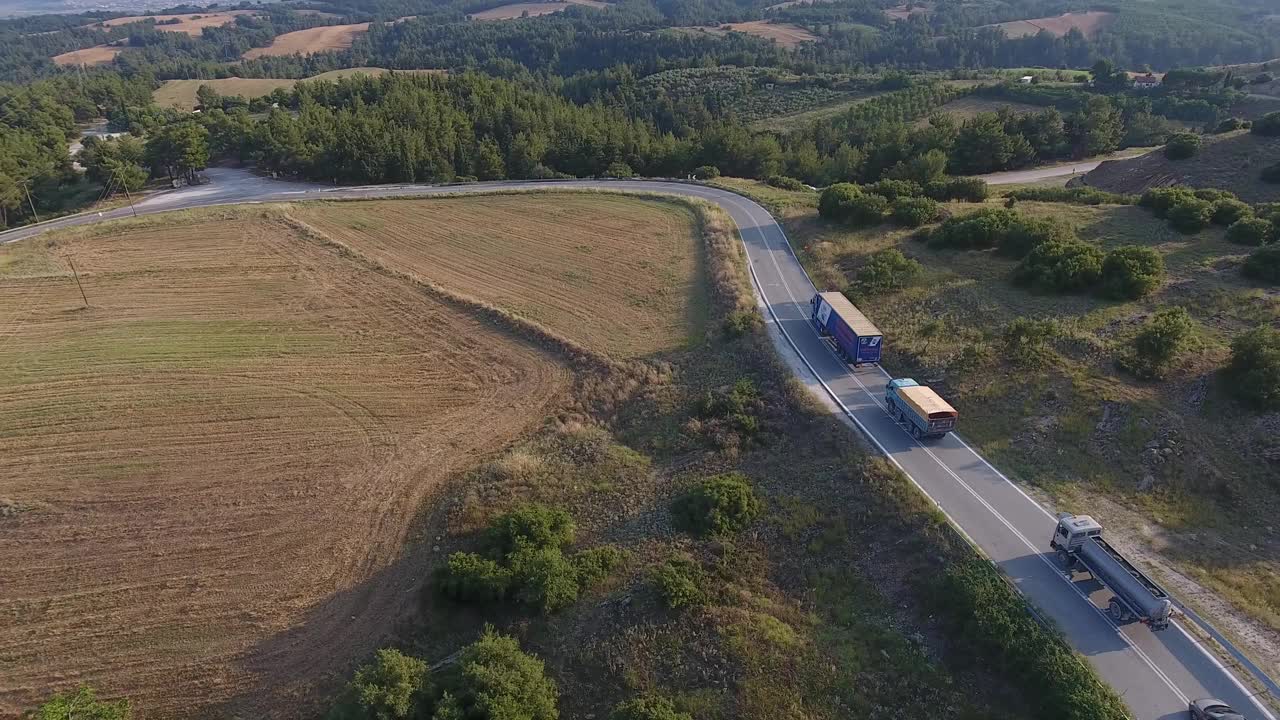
[919, 409]
[1079, 545]
[855, 338]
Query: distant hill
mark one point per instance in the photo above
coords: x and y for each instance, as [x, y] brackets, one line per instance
[1229, 162]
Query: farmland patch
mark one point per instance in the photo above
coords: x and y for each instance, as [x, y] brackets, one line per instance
[96, 55]
[1090, 23]
[190, 23]
[531, 9]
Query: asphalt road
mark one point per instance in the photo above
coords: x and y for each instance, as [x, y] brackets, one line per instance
[1156, 673]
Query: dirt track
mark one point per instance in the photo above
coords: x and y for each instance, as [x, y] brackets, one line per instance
[210, 473]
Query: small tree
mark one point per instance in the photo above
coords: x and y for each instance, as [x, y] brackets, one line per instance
[1268, 125]
[915, 211]
[1182, 146]
[648, 708]
[1025, 234]
[1263, 265]
[1160, 341]
[835, 202]
[867, 210]
[1254, 368]
[1228, 210]
[83, 704]
[1249, 231]
[1191, 215]
[532, 526]
[495, 680]
[894, 189]
[542, 577]
[719, 505]
[394, 686]
[706, 172]
[470, 578]
[1131, 272]
[680, 582]
[886, 270]
[1060, 266]
[619, 169]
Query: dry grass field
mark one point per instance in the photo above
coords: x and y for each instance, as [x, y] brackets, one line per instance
[213, 469]
[552, 263]
[96, 55]
[785, 34]
[191, 23]
[1088, 23]
[210, 471]
[516, 10]
[310, 41]
[181, 94]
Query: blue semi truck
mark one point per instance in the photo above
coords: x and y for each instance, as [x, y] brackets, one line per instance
[919, 409]
[855, 338]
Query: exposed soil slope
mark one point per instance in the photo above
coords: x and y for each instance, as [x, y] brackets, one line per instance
[1228, 162]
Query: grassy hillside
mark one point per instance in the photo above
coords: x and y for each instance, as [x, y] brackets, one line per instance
[1227, 162]
[181, 94]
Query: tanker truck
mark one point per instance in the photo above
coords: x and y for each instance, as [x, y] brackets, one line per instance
[1079, 545]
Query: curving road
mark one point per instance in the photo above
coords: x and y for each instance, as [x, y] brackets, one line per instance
[1156, 673]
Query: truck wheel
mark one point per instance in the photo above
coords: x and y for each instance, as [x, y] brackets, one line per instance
[1064, 558]
[1116, 610]
[915, 432]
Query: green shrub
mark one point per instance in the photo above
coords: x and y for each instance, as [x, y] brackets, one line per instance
[965, 189]
[1249, 231]
[530, 525]
[719, 505]
[1227, 211]
[893, 189]
[884, 271]
[394, 686]
[835, 202]
[866, 210]
[495, 680]
[594, 565]
[81, 705]
[648, 708]
[543, 578]
[983, 610]
[976, 230]
[1073, 195]
[1161, 200]
[470, 578]
[1231, 124]
[1213, 195]
[1263, 265]
[741, 322]
[1025, 233]
[619, 170]
[915, 211]
[1190, 215]
[680, 582]
[785, 183]
[1254, 368]
[1164, 337]
[1268, 125]
[706, 172]
[1026, 341]
[1131, 271]
[1060, 266]
[1182, 146]
[1271, 173]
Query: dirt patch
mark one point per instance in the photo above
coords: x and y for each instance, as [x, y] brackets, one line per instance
[531, 9]
[574, 263]
[1227, 162]
[1090, 23]
[785, 34]
[192, 23]
[311, 41]
[213, 468]
[96, 55]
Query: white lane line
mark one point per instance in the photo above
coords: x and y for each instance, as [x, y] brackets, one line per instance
[1035, 551]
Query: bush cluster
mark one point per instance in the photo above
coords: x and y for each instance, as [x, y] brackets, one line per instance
[1025, 233]
[1157, 346]
[1073, 195]
[720, 505]
[785, 183]
[82, 704]
[984, 610]
[1231, 124]
[1060, 266]
[1263, 265]
[1268, 125]
[706, 172]
[973, 231]
[492, 677]
[963, 189]
[648, 708]
[734, 410]
[1026, 341]
[893, 189]
[1182, 146]
[1250, 231]
[1190, 211]
[524, 562]
[884, 271]
[914, 211]
[681, 582]
[1254, 369]
[1131, 271]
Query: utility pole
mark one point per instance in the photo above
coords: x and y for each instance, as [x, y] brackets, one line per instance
[77, 276]
[115, 180]
[30, 201]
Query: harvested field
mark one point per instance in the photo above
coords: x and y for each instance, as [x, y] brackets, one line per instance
[181, 94]
[210, 472]
[310, 41]
[901, 12]
[96, 55]
[533, 9]
[1089, 23]
[191, 24]
[551, 262]
[785, 34]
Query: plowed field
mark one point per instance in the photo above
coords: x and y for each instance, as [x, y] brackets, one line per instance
[208, 475]
[311, 41]
[533, 9]
[619, 275]
[192, 23]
